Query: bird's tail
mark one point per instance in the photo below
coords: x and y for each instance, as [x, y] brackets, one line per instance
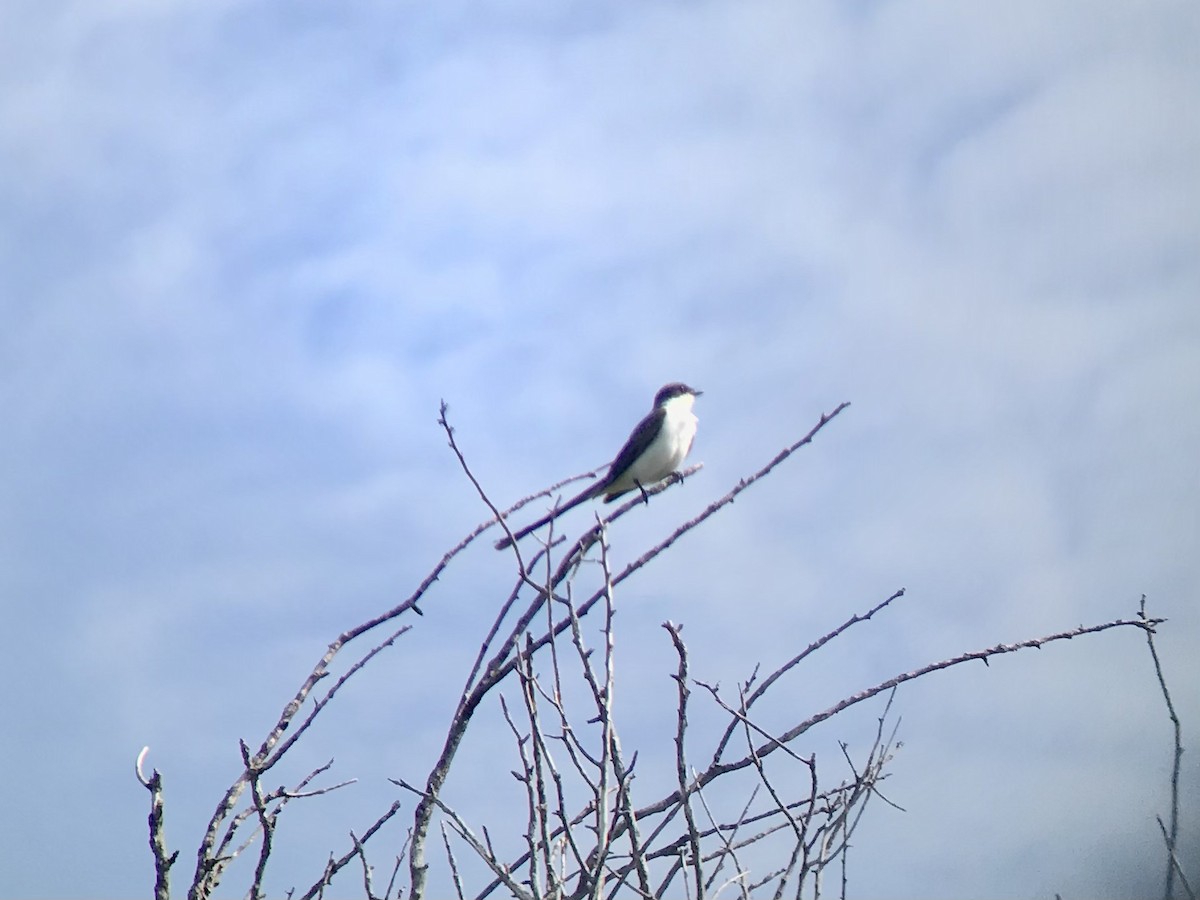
[587, 494]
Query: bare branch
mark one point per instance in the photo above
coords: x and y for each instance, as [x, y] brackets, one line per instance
[158, 841]
[334, 866]
[223, 854]
[608, 847]
[269, 761]
[977, 655]
[1171, 835]
[796, 660]
[740, 873]
[458, 885]
[604, 712]
[1173, 860]
[717, 770]
[210, 861]
[265, 820]
[483, 849]
[681, 769]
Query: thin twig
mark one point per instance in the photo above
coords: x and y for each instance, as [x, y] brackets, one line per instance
[266, 823]
[483, 849]
[681, 767]
[335, 865]
[458, 885]
[796, 660]
[740, 873]
[1174, 862]
[672, 801]
[1171, 834]
[279, 798]
[604, 703]
[366, 866]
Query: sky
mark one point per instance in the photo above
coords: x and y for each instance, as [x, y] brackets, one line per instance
[247, 248]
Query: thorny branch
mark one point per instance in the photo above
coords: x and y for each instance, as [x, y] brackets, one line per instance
[718, 769]
[582, 825]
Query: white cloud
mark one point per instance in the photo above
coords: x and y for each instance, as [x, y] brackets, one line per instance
[245, 253]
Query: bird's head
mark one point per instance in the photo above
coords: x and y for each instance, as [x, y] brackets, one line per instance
[675, 389]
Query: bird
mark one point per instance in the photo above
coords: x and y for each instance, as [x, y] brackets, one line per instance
[654, 450]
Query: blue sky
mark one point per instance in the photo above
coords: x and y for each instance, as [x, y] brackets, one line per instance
[246, 248]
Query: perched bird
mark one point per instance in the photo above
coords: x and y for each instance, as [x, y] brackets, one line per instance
[654, 450]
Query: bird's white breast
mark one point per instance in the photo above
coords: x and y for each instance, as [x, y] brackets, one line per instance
[674, 441]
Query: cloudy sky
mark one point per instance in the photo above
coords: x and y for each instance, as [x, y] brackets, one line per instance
[247, 248]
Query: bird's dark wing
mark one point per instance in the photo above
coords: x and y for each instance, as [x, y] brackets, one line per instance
[639, 439]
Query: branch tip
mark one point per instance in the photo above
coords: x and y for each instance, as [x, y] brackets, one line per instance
[137, 767]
